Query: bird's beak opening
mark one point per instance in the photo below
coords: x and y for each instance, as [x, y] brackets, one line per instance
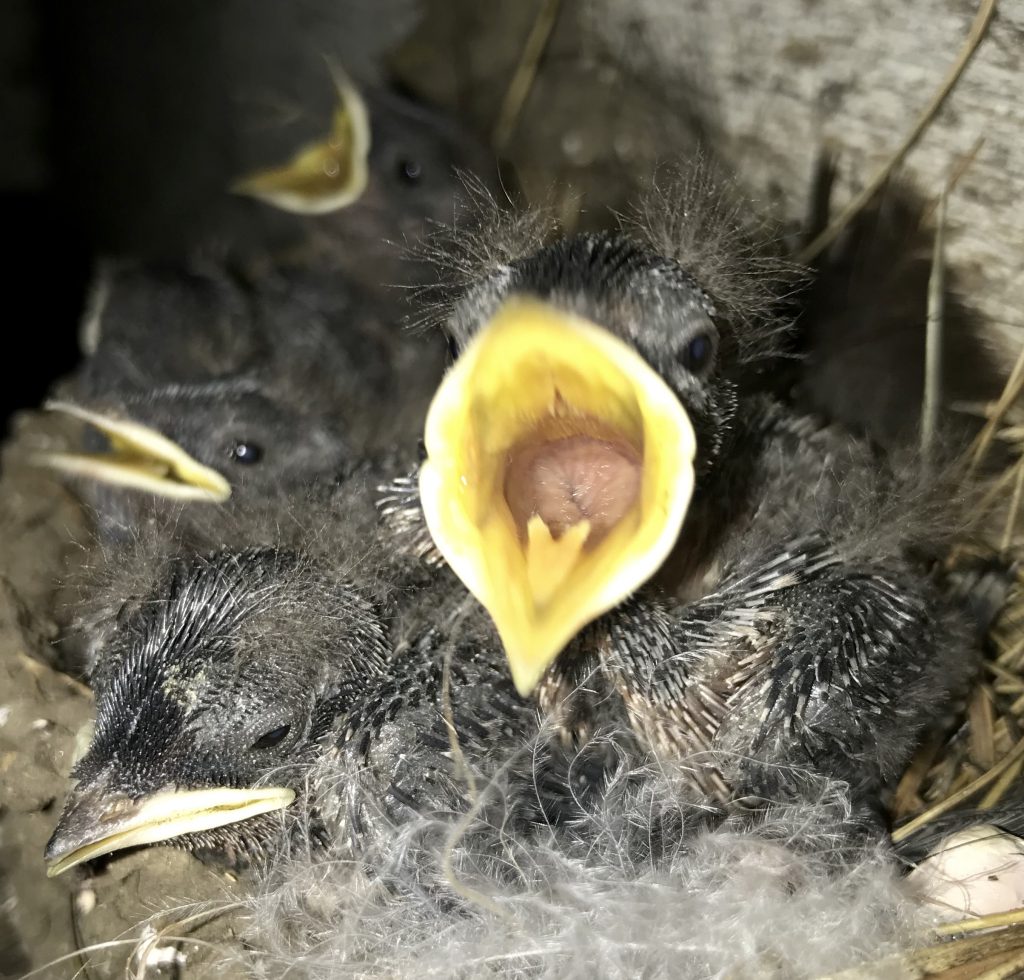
[97, 822]
[559, 470]
[138, 457]
[326, 175]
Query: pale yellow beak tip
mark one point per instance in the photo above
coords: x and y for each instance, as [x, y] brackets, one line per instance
[527, 672]
[140, 458]
[160, 817]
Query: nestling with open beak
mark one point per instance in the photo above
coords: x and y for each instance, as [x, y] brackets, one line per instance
[268, 127]
[600, 432]
[270, 368]
[370, 173]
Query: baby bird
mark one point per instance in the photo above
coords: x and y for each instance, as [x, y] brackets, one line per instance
[370, 173]
[416, 161]
[233, 94]
[602, 429]
[269, 368]
[230, 669]
[201, 385]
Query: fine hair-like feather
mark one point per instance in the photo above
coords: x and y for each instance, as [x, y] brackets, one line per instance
[690, 214]
[619, 893]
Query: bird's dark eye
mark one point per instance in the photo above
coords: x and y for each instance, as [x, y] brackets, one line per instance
[697, 353]
[272, 738]
[246, 453]
[410, 171]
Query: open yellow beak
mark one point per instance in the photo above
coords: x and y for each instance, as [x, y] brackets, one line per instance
[323, 176]
[94, 824]
[559, 470]
[139, 457]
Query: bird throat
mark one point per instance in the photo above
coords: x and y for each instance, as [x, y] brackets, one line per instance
[567, 486]
[559, 469]
[583, 476]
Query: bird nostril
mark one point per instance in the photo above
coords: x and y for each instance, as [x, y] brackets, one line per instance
[117, 808]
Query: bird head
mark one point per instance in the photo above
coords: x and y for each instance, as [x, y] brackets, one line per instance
[418, 164]
[379, 169]
[211, 693]
[591, 393]
[201, 384]
[201, 442]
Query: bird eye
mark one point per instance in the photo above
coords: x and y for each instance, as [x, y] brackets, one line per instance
[274, 737]
[246, 453]
[697, 353]
[410, 171]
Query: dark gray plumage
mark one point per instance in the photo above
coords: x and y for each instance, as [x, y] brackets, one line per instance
[797, 630]
[277, 356]
[238, 667]
[307, 346]
[271, 666]
[271, 383]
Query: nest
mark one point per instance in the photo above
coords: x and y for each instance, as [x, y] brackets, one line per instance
[977, 760]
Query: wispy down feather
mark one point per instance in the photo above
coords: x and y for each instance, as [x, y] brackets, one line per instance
[687, 213]
[615, 896]
[695, 216]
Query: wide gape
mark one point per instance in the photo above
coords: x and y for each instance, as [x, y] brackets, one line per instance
[571, 472]
[559, 470]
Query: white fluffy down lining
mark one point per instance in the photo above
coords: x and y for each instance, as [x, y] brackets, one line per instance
[623, 895]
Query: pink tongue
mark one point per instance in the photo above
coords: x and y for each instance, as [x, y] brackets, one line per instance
[565, 481]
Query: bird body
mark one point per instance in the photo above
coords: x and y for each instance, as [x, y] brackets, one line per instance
[229, 670]
[796, 631]
[265, 357]
[817, 641]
